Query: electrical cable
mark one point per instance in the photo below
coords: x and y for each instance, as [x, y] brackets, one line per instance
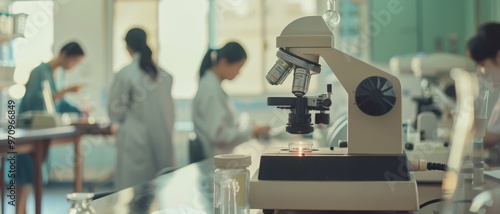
[436, 166]
[433, 201]
[422, 165]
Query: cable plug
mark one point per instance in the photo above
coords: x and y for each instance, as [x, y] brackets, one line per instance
[437, 166]
[423, 165]
[417, 165]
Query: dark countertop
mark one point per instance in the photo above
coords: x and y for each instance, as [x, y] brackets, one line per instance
[190, 190]
[186, 190]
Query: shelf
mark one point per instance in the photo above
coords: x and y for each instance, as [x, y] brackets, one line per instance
[5, 84]
[6, 77]
[5, 38]
[7, 69]
[6, 74]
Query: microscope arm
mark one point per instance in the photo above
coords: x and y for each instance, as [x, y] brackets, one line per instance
[367, 134]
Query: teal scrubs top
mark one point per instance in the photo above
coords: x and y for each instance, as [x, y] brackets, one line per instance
[33, 98]
[33, 101]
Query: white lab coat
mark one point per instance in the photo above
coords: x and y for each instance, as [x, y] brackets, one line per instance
[144, 110]
[214, 118]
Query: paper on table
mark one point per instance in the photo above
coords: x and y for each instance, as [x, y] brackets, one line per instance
[180, 210]
[493, 174]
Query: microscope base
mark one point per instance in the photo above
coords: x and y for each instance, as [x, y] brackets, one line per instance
[334, 195]
[334, 212]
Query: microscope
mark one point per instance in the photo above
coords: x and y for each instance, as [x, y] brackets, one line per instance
[371, 173]
[434, 72]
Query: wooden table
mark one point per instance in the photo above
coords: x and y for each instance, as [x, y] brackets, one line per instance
[84, 129]
[37, 142]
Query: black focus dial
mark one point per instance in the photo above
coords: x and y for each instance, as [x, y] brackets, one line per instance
[375, 96]
[327, 102]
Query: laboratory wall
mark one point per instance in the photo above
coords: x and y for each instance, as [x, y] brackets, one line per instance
[426, 25]
[442, 26]
[402, 27]
[488, 11]
[391, 30]
[133, 14]
[183, 41]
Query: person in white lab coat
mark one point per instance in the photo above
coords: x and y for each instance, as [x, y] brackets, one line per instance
[484, 49]
[141, 103]
[213, 115]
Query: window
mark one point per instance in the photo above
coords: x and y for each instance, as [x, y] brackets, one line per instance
[39, 36]
[256, 24]
[184, 38]
[130, 14]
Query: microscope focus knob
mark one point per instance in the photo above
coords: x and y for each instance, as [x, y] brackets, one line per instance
[375, 96]
[327, 102]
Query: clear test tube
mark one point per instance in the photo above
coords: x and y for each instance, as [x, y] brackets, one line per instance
[481, 119]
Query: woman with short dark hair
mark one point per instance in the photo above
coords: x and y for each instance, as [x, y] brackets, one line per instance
[69, 56]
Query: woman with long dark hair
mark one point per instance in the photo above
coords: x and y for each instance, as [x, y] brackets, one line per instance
[141, 104]
[484, 49]
[213, 117]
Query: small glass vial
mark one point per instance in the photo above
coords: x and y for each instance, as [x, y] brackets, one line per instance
[3, 24]
[80, 203]
[19, 24]
[231, 184]
[9, 24]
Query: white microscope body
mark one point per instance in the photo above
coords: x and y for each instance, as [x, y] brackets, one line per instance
[371, 174]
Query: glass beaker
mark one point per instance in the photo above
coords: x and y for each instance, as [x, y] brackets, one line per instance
[80, 203]
[231, 184]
